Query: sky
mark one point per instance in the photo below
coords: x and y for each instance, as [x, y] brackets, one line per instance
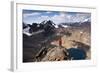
[34, 16]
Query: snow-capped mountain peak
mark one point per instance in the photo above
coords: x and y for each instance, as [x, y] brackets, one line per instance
[87, 20]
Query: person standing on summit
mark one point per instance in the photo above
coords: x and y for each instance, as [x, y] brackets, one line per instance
[60, 39]
[60, 42]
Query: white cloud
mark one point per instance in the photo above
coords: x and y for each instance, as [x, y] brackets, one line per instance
[48, 12]
[62, 17]
[41, 18]
[31, 14]
[57, 18]
[81, 17]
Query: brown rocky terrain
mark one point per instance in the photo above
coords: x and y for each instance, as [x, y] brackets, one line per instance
[40, 48]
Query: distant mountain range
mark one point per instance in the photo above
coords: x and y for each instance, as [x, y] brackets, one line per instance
[49, 25]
